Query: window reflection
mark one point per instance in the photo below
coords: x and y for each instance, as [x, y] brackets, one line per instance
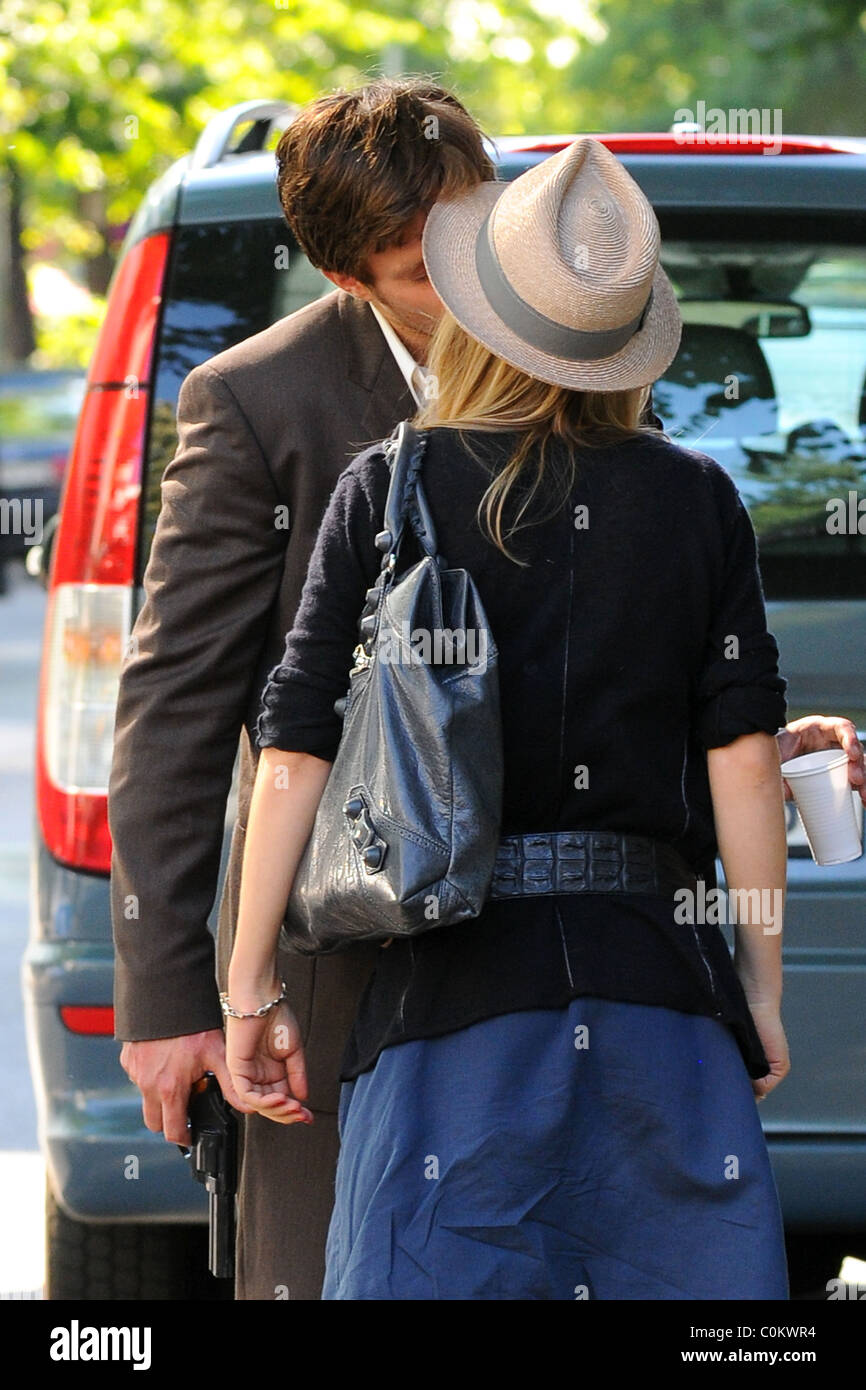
[770, 380]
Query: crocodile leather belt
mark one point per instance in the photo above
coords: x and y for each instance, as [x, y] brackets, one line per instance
[587, 861]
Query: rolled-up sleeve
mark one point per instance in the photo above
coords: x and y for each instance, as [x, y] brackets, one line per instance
[297, 709]
[739, 689]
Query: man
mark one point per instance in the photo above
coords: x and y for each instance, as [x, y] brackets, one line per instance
[268, 424]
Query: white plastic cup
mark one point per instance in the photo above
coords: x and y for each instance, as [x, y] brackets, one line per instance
[830, 813]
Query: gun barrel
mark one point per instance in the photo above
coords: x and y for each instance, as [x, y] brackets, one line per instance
[221, 1242]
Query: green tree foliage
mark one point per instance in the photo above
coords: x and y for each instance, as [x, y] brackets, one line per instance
[98, 97]
[805, 57]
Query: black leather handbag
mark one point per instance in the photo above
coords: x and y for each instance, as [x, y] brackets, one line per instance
[407, 830]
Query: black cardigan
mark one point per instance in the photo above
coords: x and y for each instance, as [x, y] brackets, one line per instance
[635, 639]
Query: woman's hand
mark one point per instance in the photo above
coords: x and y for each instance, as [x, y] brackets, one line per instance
[264, 1055]
[768, 1022]
[266, 1062]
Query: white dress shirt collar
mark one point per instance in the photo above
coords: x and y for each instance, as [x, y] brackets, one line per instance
[412, 371]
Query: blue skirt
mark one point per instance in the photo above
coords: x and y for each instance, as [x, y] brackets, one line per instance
[603, 1150]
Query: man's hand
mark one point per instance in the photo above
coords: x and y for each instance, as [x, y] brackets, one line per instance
[164, 1070]
[816, 732]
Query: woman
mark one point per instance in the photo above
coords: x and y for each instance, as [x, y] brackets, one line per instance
[557, 1099]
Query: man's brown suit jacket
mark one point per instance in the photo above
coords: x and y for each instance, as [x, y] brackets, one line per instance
[268, 424]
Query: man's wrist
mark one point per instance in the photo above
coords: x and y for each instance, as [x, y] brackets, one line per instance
[142, 1020]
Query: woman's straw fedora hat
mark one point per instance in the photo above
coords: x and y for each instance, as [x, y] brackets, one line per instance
[558, 272]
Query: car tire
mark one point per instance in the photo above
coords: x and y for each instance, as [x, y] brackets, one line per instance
[126, 1261]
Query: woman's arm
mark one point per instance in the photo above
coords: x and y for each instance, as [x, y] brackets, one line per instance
[265, 1055]
[286, 796]
[748, 807]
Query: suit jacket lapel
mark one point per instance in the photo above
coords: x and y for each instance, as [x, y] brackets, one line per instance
[370, 365]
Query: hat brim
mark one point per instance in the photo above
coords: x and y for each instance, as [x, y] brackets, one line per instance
[448, 247]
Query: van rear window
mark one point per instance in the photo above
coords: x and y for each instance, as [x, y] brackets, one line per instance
[770, 378]
[225, 282]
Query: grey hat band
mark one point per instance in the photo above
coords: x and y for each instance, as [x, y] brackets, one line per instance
[573, 344]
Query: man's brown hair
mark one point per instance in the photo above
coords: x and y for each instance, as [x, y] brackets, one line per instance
[354, 168]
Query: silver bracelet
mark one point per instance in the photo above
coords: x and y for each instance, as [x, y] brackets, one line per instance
[229, 1012]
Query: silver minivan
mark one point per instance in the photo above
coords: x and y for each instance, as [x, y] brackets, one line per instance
[767, 254]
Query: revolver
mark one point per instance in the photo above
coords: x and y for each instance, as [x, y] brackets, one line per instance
[213, 1154]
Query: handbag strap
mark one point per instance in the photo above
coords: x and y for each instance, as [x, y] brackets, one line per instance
[406, 500]
[404, 453]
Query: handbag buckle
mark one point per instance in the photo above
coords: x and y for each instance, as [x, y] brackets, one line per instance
[361, 658]
[371, 847]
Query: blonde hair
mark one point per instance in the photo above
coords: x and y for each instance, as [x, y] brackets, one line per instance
[474, 389]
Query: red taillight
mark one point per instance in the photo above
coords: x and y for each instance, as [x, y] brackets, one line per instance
[94, 1019]
[666, 142]
[125, 344]
[95, 543]
[93, 570]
